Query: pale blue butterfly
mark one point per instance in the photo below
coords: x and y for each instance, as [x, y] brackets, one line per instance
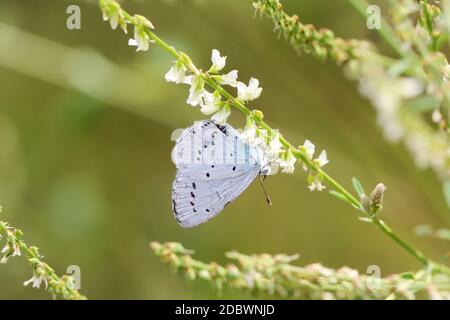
[214, 166]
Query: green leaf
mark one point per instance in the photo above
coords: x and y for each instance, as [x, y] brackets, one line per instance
[400, 67]
[446, 189]
[423, 104]
[358, 187]
[408, 276]
[339, 195]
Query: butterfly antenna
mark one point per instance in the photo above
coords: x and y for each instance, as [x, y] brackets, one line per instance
[261, 179]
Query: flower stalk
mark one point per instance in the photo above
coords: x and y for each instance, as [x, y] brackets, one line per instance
[257, 118]
[43, 274]
[277, 276]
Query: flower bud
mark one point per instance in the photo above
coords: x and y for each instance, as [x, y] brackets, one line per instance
[376, 198]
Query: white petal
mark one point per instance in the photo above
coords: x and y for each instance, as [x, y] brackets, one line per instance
[218, 61]
[242, 89]
[253, 84]
[177, 73]
[132, 42]
[410, 87]
[229, 79]
[209, 103]
[222, 115]
[196, 91]
[436, 116]
[114, 22]
[322, 160]
[310, 148]
[188, 80]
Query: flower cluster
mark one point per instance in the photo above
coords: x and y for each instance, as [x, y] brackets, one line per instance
[11, 247]
[211, 103]
[42, 273]
[278, 156]
[277, 276]
[272, 151]
[113, 13]
[407, 91]
[305, 38]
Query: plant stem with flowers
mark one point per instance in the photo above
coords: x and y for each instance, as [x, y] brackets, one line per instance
[407, 90]
[43, 274]
[277, 276]
[257, 132]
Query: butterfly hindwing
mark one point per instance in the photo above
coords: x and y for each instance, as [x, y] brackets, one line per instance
[214, 167]
[197, 201]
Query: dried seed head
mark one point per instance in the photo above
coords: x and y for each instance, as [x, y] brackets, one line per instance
[376, 198]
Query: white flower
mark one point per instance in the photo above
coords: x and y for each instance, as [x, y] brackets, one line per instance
[141, 39]
[316, 184]
[250, 92]
[36, 282]
[436, 116]
[309, 149]
[142, 43]
[287, 162]
[16, 250]
[274, 147]
[322, 159]
[210, 103]
[249, 134]
[113, 20]
[410, 87]
[218, 61]
[196, 91]
[222, 115]
[188, 79]
[229, 79]
[177, 73]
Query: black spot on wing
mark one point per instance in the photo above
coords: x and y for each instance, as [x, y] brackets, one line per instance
[221, 128]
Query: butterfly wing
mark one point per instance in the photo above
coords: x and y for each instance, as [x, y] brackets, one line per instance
[213, 168]
[197, 201]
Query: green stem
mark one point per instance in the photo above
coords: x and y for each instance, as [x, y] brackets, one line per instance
[386, 31]
[429, 25]
[298, 154]
[241, 106]
[56, 285]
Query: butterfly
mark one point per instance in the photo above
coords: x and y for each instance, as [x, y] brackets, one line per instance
[214, 166]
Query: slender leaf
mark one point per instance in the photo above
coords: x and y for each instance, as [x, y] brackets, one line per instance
[358, 187]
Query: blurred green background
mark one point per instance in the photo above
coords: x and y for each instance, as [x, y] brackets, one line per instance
[85, 169]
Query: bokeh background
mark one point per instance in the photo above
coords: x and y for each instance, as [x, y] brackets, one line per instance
[85, 169]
